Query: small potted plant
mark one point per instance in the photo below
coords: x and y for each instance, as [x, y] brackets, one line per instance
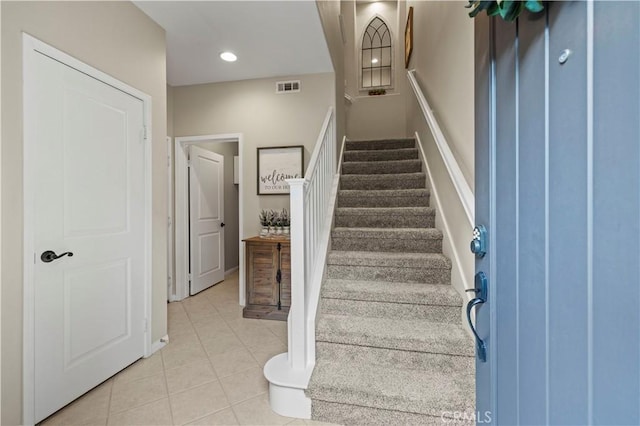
[271, 218]
[264, 222]
[278, 221]
[286, 222]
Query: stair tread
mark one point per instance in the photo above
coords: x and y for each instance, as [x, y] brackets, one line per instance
[430, 391]
[377, 153]
[405, 161]
[383, 291]
[379, 144]
[378, 150]
[382, 192]
[385, 210]
[385, 233]
[383, 176]
[392, 259]
[399, 334]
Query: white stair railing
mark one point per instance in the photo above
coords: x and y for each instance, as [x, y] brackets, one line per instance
[310, 221]
[312, 200]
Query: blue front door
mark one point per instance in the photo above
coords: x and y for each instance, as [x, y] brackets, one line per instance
[558, 188]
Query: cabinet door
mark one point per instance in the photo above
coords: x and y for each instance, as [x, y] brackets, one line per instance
[285, 268]
[261, 272]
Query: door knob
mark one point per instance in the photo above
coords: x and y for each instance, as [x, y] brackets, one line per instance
[50, 256]
[222, 224]
[481, 297]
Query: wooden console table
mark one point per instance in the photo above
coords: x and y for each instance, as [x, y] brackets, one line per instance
[268, 278]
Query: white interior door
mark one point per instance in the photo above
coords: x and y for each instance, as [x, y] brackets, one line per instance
[88, 176]
[206, 218]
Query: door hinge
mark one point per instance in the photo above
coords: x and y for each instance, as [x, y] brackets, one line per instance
[189, 277]
[144, 132]
[169, 222]
[168, 161]
[145, 325]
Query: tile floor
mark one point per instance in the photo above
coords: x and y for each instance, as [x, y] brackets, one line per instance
[210, 373]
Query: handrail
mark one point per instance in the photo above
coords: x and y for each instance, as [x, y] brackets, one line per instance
[453, 168]
[312, 201]
[316, 150]
[311, 216]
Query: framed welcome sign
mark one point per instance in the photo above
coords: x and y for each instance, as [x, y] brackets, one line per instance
[276, 165]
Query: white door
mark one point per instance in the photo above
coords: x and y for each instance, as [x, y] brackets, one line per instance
[87, 167]
[206, 218]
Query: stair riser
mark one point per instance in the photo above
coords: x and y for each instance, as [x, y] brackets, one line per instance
[392, 201]
[382, 182]
[381, 167]
[381, 155]
[385, 221]
[390, 274]
[397, 406]
[379, 291]
[392, 358]
[386, 244]
[433, 313]
[345, 414]
[379, 144]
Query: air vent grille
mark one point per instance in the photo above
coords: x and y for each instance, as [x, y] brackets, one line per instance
[288, 86]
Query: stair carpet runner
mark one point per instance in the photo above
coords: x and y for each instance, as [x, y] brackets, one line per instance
[390, 348]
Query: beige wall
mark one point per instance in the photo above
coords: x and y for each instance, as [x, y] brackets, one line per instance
[443, 57]
[231, 218]
[169, 110]
[118, 39]
[375, 117]
[264, 118]
[329, 11]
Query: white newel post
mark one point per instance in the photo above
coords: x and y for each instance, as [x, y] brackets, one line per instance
[296, 321]
[312, 199]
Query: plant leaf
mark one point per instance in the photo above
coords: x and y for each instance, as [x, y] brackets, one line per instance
[510, 9]
[479, 6]
[493, 10]
[534, 5]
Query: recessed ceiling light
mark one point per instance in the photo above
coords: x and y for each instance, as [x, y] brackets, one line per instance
[228, 56]
[374, 61]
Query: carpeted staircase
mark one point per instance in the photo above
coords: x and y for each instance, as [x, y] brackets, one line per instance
[391, 349]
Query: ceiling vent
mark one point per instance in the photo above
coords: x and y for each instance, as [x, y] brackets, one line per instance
[288, 86]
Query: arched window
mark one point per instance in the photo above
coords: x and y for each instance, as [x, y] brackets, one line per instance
[376, 55]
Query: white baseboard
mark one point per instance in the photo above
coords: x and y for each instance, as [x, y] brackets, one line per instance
[157, 345]
[231, 271]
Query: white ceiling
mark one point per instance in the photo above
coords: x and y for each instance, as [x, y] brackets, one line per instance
[270, 38]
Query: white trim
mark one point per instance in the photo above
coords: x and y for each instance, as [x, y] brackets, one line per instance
[289, 373]
[181, 275]
[231, 270]
[455, 173]
[170, 242]
[445, 223]
[157, 345]
[31, 45]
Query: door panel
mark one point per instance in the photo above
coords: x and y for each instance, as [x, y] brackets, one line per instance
[95, 197]
[88, 168]
[616, 208]
[532, 184]
[206, 214]
[505, 233]
[558, 187]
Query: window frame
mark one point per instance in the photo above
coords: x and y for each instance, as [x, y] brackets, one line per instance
[360, 52]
